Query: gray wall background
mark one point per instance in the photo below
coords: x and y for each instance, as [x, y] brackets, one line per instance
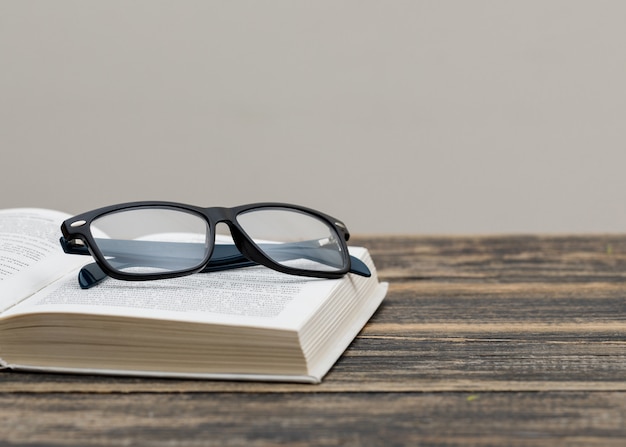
[397, 116]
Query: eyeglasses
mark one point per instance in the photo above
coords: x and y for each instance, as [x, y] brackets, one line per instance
[156, 240]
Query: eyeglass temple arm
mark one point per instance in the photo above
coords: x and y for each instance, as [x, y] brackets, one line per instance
[92, 275]
[225, 257]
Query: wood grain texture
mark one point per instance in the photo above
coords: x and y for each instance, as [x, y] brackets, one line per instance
[350, 419]
[511, 340]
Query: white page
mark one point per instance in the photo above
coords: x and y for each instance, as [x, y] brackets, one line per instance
[254, 296]
[30, 254]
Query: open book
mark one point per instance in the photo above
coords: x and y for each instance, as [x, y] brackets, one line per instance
[246, 324]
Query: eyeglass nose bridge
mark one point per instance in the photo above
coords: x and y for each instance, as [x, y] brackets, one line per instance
[243, 243]
[217, 216]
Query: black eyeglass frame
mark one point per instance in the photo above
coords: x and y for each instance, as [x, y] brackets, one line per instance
[78, 228]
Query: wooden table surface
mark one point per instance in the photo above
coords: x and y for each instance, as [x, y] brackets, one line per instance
[510, 340]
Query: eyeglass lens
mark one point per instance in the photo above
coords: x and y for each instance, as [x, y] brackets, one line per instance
[294, 239]
[152, 240]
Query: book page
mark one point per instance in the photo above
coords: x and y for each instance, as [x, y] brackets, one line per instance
[252, 296]
[30, 254]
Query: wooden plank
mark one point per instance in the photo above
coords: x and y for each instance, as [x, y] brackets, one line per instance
[499, 258]
[353, 419]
